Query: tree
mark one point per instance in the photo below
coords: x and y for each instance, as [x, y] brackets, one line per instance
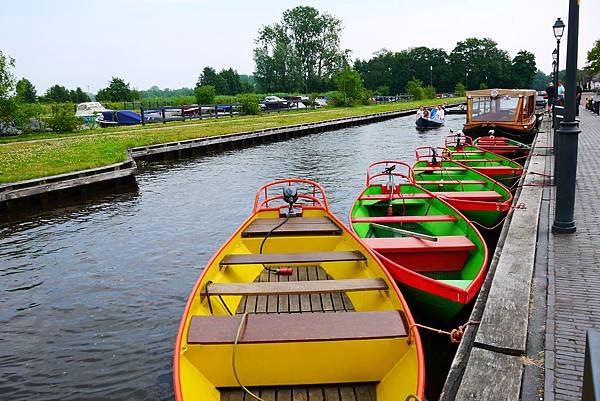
[415, 88]
[117, 91]
[205, 94]
[80, 96]
[57, 94]
[7, 85]
[26, 92]
[300, 53]
[593, 58]
[541, 81]
[349, 83]
[523, 69]
[459, 89]
[482, 61]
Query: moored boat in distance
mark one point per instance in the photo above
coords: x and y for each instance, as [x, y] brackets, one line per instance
[477, 196]
[506, 147]
[460, 148]
[254, 322]
[429, 247]
[510, 112]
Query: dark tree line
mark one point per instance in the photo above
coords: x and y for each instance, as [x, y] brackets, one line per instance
[226, 82]
[473, 62]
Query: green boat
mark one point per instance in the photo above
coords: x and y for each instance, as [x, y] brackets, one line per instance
[480, 198]
[503, 146]
[460, 148]
[434, 252]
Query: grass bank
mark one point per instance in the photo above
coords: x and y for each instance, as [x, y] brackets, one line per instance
[45, 154]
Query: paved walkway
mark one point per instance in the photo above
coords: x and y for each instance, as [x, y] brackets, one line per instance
[574, 274]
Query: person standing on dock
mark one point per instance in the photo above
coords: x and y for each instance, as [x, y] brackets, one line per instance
[578, 92]
[561, 93]
[550, 95]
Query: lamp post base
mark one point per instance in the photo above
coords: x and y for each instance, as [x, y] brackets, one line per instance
[564, 227]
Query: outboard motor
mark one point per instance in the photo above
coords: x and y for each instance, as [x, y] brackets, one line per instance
[434, 160]
[290, 195]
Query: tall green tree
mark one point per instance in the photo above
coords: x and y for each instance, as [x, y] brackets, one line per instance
[57, 94]
[541, 80]
[7, 85]
[26, 92]
[480, 60]
[523, 70]
[117, 91]
[79, 96]
[593, 58]
[300, 53]
[349, 83]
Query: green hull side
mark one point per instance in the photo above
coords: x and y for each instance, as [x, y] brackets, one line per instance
[486, 218]
[429, 306]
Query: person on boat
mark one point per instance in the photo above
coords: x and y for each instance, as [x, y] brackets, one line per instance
[432, 113]
[550, 90]
[440, 113]
[426, 113]
[420, 112]
[560, 91]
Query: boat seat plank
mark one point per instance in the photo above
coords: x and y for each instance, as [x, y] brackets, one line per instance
[296, 287]
[451, 182]
[404, 219]
[324, 392]
[274, 328]
[386, 197]
[439, 168]
[412, 244]
[304, 257]
[488, 196]
[294, 226]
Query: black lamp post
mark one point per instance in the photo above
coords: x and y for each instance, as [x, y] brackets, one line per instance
[568, 133]
[555, 82]
[559, 29]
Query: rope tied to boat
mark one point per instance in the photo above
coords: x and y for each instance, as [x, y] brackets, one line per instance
[454, 334]
[238, 334]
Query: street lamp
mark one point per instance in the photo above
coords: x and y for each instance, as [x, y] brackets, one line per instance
[559, 29]
[430, 75]
[467, 78]
[565, 171]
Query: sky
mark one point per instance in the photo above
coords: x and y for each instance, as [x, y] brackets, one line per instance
[168, 42]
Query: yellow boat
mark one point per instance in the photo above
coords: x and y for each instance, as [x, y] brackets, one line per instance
[294, 305]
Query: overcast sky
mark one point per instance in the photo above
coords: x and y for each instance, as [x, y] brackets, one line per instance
[167, 42]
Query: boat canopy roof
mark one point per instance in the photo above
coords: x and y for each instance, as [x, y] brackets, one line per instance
[501, 92]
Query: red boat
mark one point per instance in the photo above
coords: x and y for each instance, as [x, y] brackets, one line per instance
[503, 146]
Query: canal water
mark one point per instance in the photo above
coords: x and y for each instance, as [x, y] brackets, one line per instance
[92, 294]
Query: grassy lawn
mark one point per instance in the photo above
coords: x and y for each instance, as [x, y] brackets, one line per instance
[44, 154]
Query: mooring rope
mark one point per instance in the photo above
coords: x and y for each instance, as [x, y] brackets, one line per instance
[455, 334]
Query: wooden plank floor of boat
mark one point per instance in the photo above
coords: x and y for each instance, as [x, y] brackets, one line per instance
[305, 303]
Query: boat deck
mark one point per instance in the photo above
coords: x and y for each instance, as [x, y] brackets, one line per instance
[300, 303]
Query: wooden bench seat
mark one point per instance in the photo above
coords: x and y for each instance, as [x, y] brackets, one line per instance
[450, 182]
[296, 287]
[439, 168]
[448, 253]
[286, 327]
[386, 197]
[404, 219]
[304, 257]
[294, 226]
[486, 196]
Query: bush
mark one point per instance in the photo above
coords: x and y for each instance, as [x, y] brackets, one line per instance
[64, 120]
[429, 92]
[205, 94]
[25, 113]
[415, 88]
[250, 103]
[459, 90]
[338, 99]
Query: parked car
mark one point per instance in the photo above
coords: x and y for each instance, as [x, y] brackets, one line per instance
[273, 103]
